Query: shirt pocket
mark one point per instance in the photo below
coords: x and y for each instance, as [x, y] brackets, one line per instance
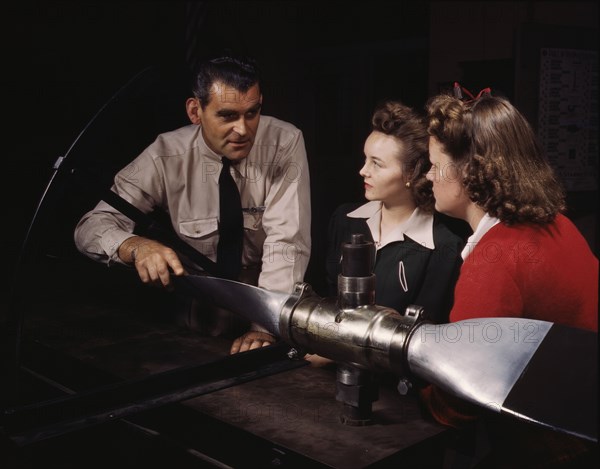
[199, 228]
[252, 220]
[254, 235]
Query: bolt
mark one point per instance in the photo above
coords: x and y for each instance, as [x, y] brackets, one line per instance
[403, 386]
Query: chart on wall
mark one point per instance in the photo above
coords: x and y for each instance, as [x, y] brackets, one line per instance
[568, 115]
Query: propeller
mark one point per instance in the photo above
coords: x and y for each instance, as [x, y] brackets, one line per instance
[536, 371]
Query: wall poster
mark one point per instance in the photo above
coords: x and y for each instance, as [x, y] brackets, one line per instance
[568, 115]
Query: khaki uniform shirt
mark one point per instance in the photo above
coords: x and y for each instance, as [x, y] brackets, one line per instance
[179, 173]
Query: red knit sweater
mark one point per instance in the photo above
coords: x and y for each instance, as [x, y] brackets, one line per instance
[547, 273]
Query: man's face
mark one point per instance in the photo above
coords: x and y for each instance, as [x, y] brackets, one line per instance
[230, 120]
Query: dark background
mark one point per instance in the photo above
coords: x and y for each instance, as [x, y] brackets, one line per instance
[325, 67]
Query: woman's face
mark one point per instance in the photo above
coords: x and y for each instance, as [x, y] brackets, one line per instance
[448, 190]
[382, 172]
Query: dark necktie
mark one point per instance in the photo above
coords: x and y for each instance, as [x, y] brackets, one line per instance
[231, 227]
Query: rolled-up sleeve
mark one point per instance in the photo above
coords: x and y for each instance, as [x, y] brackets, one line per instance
[101, 231]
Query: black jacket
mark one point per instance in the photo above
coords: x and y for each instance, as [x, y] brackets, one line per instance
[430, 274]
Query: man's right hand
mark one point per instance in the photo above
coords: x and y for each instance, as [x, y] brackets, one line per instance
[153, 261]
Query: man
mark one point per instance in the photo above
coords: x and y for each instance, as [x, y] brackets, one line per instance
[180, 173]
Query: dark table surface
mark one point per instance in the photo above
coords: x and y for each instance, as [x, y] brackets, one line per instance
[297, 409]
[294, 410]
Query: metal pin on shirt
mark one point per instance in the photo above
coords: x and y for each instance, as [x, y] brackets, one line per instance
[402, 276]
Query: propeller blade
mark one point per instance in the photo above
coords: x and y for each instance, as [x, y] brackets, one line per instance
[533, 370]
[256, 304]
[537, 371]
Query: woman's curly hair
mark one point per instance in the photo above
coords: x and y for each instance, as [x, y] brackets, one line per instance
[501, 162]
[397, 120]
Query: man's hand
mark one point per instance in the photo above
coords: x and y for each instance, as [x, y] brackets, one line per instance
[251, 340]
[153, 261]
[317, 361]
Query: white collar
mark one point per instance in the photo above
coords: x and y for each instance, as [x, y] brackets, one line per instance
[419, 225]
[484, 225]
[240, 168]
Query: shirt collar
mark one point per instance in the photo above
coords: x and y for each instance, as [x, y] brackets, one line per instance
[239, 168]
[418, 227]
[484, 225]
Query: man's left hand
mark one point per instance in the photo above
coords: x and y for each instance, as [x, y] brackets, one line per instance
[251, 340]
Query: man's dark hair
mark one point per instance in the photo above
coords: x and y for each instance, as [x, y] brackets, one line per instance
[239, 72]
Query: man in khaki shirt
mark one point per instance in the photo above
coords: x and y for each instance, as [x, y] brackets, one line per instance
[179, 173]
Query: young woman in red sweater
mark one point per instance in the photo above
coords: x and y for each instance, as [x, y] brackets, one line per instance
[524, 259]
